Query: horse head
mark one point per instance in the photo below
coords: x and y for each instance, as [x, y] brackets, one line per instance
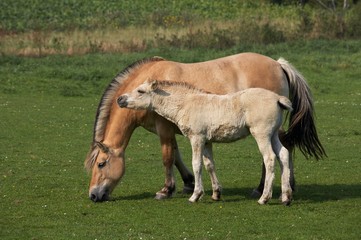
[108, 167]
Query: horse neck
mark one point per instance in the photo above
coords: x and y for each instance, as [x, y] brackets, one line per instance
[119, 128]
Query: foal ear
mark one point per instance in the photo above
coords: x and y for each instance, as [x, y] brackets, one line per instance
[153, 84]
[103, 147]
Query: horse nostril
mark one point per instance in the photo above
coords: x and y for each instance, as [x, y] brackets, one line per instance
[104, 197]
[93, 197]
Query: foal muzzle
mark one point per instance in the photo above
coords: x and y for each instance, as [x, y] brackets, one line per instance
[122, 101]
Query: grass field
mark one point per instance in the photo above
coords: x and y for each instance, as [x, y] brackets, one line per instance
[47, 109]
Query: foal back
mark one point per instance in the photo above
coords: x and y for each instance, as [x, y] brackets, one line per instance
[227, 118]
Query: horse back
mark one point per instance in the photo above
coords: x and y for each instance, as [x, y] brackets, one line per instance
[225, 75]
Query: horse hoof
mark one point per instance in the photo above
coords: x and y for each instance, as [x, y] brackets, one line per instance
[162, 196]
[188, 189]
[255, 193]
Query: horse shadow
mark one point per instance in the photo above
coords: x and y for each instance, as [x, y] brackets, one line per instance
[140, 196]
[304, 192]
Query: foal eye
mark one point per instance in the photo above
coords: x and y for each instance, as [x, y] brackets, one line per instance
[141, 91]
[101, 164]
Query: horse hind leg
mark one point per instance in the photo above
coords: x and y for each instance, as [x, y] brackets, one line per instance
[284, 160]
[257, 192]
[210, 167]
[187, 176]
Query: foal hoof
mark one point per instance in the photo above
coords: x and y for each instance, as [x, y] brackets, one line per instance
[262, 201]
[216, 196]
[195, 197]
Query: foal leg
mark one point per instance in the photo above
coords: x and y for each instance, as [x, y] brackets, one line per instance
[197, 152]
[269, 158]
[283, 157]
[290, 149]
[257, 192]
[209, 165]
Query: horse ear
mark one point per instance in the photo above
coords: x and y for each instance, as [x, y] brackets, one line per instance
[103, 147]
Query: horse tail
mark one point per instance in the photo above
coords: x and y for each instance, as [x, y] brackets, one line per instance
[302, 129]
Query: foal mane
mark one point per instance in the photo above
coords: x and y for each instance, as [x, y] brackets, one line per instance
[103, 111]
[183, 86]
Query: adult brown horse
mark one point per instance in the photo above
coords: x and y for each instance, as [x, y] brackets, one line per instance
[114, 126]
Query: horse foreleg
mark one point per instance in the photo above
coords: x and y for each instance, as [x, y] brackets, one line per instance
[167, 141]
[197, 152]
[210, 167]
[187, 176]
[168, 159]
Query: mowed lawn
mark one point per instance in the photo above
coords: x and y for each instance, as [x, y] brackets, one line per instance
[47, 110]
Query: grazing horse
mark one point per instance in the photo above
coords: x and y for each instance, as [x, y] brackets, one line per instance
[205, 118]
[114, 126]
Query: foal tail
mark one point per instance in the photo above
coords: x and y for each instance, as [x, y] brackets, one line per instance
[302, 129]
[285, 103]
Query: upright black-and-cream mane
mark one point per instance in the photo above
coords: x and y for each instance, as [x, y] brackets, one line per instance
[104, 107]
[161, 84]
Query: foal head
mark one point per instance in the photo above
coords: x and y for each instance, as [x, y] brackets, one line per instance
[139, 98]
[107, 167]
[142, 96]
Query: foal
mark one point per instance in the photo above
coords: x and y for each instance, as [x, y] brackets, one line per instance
[205, 118]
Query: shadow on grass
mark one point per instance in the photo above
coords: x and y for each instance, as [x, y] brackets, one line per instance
[140, 196]
[311, 192]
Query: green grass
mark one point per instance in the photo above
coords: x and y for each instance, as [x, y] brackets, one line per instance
[46, 129]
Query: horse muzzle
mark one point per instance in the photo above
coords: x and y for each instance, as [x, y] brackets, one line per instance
[99, 194]
[122, 101]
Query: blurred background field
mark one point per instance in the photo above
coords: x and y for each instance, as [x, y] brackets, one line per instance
[37, 28]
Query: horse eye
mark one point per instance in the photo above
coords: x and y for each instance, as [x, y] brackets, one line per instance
[141, 91]
[101, 164]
